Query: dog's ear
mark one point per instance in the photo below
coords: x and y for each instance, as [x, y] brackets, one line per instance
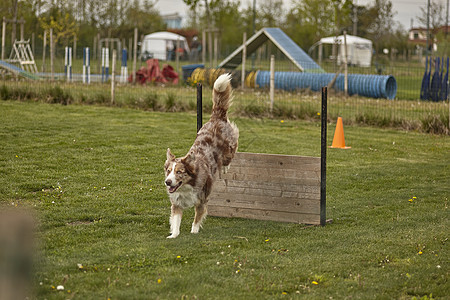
[169, 154]
[190, 157]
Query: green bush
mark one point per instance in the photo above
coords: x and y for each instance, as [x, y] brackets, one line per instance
[436, 124]
[4, 92]
[56, 94]
[151, 101]
[170, 102]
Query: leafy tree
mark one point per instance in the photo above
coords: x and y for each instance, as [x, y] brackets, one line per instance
[226, 18]
[270, 13]
[366, 16]
[382, 24]
[142, 15]
[63, 24]
[222, 15]
[342, 15]
[310, 20]
[193, 4]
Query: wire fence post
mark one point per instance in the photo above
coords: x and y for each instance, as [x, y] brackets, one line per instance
[203, 47]
[244, 58]
[272, 81]
[135, 54]
[113, 73]
[3, 37]
[199, 107]
[44, 49]
[52, 55]
[345, 64]
[177, 55]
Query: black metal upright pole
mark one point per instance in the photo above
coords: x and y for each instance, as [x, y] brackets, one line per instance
[199, 107]
[428, 27]
[323, 159]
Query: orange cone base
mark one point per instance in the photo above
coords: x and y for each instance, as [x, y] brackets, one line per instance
[340, 147]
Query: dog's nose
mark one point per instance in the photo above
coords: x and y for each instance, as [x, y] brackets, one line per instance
[168, 182]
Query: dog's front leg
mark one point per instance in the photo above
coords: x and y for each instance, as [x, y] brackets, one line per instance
[200, 214]
[175, 221]
[225, 169]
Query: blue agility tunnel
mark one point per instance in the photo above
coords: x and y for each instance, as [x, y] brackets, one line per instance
[373, 86]
[188, 69]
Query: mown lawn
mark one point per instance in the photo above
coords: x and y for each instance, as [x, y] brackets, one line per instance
[94, 177]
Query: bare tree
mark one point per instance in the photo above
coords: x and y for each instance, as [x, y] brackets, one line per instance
[437, 15]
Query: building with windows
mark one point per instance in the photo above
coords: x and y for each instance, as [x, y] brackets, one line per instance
[418, 36]
[173, 21]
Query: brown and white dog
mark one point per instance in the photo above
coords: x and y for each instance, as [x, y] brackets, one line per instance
[189, 179]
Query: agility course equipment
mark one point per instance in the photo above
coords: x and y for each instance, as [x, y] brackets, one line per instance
[425, 88]
[22, 55]
[153, 73]
[312, 76]
[435, 87]
[86, 66]
[105, 64]
[373, 86]
[339, 139]
[68, 63]
[435, 82]
[273, 187]
[269, 187]
[124, 67]
[17, 71]
[283, 42]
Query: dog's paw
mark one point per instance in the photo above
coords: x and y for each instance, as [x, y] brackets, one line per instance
[225, 169]
[172, 236]
[195, 228]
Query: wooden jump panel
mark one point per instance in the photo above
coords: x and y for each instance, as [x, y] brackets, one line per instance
[271, 187]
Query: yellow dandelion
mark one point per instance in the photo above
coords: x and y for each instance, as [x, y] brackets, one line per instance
[283, 293]
[178, 257]
[420, 252]
[315, 282]
[410, 200]
[159, 280]
[266, 240]
[318, 113]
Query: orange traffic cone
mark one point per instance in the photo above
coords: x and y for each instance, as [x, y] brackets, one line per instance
[339, 140]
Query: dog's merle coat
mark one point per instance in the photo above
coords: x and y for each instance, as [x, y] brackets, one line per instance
[190, 179]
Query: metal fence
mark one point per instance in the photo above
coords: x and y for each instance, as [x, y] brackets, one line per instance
[293, 98]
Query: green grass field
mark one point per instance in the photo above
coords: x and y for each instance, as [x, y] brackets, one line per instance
[94, 177]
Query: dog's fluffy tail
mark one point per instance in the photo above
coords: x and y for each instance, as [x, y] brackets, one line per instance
[221, 97]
